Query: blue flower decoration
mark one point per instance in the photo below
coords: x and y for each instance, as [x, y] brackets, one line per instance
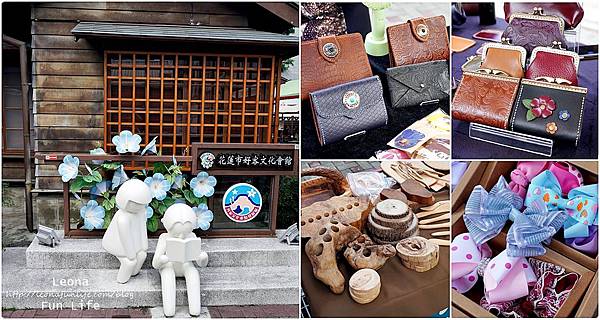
[203, 185]
[127, 142]
[408, 139]
[119, 177]
[151, 146]
[100, 188]
[178, 183]
[158, 186]
[149, 212]
[564, 115]
[204, 215]
[92, 215]
[69, 169]
[97, 151]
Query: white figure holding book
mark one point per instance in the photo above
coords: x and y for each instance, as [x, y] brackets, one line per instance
[176, 252]
[126, 236]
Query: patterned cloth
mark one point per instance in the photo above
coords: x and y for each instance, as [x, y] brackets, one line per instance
[545, 298]
[324, 19]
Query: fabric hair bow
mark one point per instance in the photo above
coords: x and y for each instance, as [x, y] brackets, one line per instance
[581, 206]
[523, 173]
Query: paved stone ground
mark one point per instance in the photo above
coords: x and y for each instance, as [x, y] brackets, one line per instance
[343, 166]
[265, 311]
[14, 229]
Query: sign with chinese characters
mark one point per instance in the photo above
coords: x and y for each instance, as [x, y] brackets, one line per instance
[242, 202]
[267, 159]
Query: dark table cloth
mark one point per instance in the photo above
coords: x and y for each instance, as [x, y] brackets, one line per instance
[464, 147]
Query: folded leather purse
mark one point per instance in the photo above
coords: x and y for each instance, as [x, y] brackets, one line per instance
[418, 40]
[332, 60]
[509, 60]
[348, 109]
[485, 99]
[570, 12]
[418, 84]
[530, 30]
[553, 65]
[548, 110]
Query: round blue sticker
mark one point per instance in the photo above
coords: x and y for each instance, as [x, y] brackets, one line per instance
[242, 202]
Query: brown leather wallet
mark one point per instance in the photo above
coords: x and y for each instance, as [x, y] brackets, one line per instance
[485, 99]
[508, 59]
[333, 60]
[418, 40]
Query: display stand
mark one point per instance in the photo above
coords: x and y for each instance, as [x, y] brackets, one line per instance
[511, 139]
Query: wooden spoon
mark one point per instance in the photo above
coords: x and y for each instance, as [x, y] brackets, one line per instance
[438, 218]
[440, 233]
[440, 242]
[444, 204]
[435, 226]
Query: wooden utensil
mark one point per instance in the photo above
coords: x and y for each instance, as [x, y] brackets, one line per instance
[424, 214]
[440, 233]
[435, 226]
[443, 204]
[440, 242]
[438, 218]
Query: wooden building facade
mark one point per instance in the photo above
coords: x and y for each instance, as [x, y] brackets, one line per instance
[183, 71]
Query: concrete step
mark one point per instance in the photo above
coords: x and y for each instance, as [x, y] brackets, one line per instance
[24, 288]
[222, 252]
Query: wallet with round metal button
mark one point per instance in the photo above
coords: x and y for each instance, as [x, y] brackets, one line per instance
[418, 40]
[348, 109]
[418, 84]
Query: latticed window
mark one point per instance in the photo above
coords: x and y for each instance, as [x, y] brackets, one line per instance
[186, 98]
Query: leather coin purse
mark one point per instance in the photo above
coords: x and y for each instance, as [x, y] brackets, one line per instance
[548, 110]
[418, 84]
[328, 61]
[530, 30]
[504, 59]
[485, 99]
[570, 12]
[553, 65]
[348, 109]
[418, 40]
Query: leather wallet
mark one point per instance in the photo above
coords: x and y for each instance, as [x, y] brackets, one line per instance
[418, 84]
[548, 110]
[553, 65]
[485, 99]
[570, 12]
[329, 61]
[534, 30]
[418, 40]
[510, 60]
[348, 109]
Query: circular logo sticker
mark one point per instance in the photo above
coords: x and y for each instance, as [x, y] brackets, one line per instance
[242, 202]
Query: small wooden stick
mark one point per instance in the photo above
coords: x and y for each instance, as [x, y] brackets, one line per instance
[440, 233]
[440, 242]
[424, 214]
[440, 204]
[438, 218]
[435, 226]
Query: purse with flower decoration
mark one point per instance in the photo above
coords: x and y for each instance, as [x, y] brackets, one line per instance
[549, 110]
[531, 30]
[348, 109]
[553, 65]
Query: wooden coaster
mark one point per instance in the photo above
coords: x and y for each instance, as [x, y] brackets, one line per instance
[418, 253]
[365, 285]
[416, 192]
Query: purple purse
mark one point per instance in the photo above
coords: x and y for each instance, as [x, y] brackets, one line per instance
[530, 30]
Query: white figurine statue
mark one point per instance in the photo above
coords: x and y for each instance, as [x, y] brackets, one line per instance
[126, 236]
[176, 251]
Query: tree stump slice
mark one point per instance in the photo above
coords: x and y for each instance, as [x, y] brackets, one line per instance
[365, 285]
[418, 253]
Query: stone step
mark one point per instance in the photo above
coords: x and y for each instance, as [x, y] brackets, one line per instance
[25, 288]
[222, 252]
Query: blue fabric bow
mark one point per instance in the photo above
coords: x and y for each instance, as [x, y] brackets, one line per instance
[486, 213]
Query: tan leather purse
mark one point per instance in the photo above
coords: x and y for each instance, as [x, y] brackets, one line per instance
[333, 60]
[502, 59]
[418, 40]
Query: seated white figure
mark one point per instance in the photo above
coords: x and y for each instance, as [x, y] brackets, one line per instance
[179, 220]
[126, 236]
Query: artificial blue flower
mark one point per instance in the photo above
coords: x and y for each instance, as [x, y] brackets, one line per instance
[158, 186]
[149, 212]
[204, 216]
[127, 142]
[408, 139]
[69, 169]
[203, 185]
[100, 188]
[92, 215]
[151, 146]
[97, 151]
[178, 183]
[119, 177]
[564, 115]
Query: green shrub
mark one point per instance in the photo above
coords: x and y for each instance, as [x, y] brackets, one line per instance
[287, 208]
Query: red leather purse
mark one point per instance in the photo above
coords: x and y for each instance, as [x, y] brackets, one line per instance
[570, 12]
[553, 65]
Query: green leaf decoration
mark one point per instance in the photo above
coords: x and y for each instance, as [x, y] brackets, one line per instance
[527, 103]
[80, 183]
[168, 202]
[160, 167]
[96, 177]
[530, 115]
[152, 224]
[191, 197]
[204, 200]
[111, 165]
